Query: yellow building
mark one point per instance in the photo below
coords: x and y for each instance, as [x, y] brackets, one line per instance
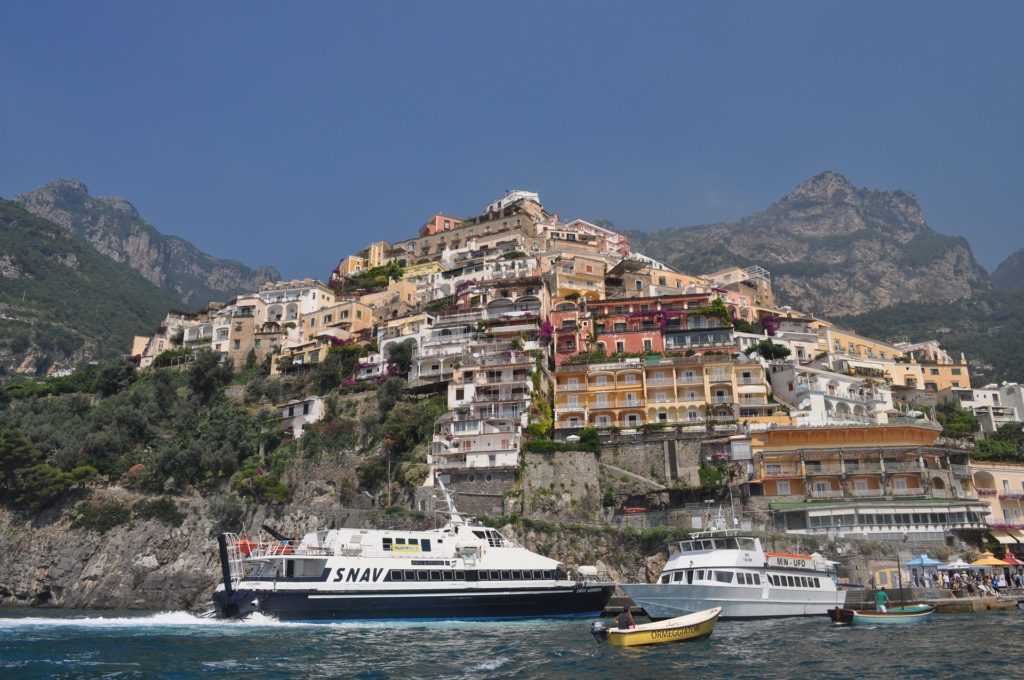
[374, 255]
[342, 320]
[672, 390]
[1001, 486]
[864, 481]
[582, 276]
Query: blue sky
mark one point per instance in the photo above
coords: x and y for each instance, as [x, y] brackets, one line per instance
[294, 133]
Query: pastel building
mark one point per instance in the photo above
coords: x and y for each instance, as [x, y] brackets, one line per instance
[886, 482]
[670, 390]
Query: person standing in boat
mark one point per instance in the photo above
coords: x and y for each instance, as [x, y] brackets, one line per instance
[625, 619]
[881, 600]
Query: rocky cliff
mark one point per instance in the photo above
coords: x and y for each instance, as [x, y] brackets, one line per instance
[833, 248]
[114, 228]
[1009, 275]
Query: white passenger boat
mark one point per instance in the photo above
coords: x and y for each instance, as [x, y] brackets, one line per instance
[721, 569]
[460, 571]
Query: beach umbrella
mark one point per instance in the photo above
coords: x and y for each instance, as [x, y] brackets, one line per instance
[921, 561]
[1012, 560]
[987, 559]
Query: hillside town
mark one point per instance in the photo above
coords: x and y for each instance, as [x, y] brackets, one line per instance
[547, 334]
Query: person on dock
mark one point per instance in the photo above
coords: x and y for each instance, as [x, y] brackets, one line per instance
[625, 619]
[881, 600]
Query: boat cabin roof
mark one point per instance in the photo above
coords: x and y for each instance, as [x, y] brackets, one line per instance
[707, 543]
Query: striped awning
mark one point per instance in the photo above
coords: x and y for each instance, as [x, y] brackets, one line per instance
[1003, 537]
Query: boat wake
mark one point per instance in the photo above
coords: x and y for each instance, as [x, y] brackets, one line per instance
[134, 622]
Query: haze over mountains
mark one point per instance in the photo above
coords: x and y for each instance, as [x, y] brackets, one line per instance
[832, 248]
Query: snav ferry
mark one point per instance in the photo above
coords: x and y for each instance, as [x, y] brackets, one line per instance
[733, 572]
[460, 571]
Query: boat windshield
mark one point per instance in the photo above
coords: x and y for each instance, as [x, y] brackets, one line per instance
[725, 543]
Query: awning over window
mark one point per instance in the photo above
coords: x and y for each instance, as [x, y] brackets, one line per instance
[1003, 537]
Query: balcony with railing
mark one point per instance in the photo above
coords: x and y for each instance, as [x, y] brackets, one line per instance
[868, 493]
[857, 468]
[823, 468]
[960, 470]
[727, 399]
[570, 387]
[903, 466]
[908, 491]
[826, 493]
[690, 380]
[774, 470]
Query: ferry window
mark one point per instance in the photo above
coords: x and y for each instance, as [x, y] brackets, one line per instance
[425, 545]
[746, 543]
[495, 576]
[414, 541]
[422, 575]
[517, 575]
[479, 534]
[723, 576]
[730, 544]
[460, 576]
[395, 575]
[399, 541]
[817, 582]
[548, 574]
[677, 577]
[505, 575]
[410, 576]
[448, 576]
[700, 574]
[435, 576]
[756, 579]
[791, 581]
[386, 544]
[664, 578]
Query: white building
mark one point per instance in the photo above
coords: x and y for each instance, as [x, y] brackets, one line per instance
[819, 397]
[300, 412]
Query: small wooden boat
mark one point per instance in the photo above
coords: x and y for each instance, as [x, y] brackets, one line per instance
[694, 626]
[906, 614]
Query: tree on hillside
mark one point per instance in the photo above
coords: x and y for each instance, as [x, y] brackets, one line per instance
[771, 351]
[400, 354]
[208, 374]
[16, 454]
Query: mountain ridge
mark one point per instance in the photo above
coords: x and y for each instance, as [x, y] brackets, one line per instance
[114, 227]
[833, 248]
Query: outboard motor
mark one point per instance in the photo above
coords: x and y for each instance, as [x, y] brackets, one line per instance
[599, 630]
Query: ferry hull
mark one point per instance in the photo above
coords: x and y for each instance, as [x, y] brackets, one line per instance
[665, 601]
[308, 605]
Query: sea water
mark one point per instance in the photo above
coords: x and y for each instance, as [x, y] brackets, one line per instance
[49, 644]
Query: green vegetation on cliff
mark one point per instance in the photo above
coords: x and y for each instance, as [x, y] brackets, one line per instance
[61, 299]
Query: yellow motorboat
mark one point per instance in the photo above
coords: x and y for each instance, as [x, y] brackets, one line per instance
[694, 626]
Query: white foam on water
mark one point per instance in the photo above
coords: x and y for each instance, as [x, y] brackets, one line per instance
[159, 620]
[492, 665]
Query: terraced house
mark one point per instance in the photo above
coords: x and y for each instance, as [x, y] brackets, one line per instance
[632, 392]
[864, 481]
